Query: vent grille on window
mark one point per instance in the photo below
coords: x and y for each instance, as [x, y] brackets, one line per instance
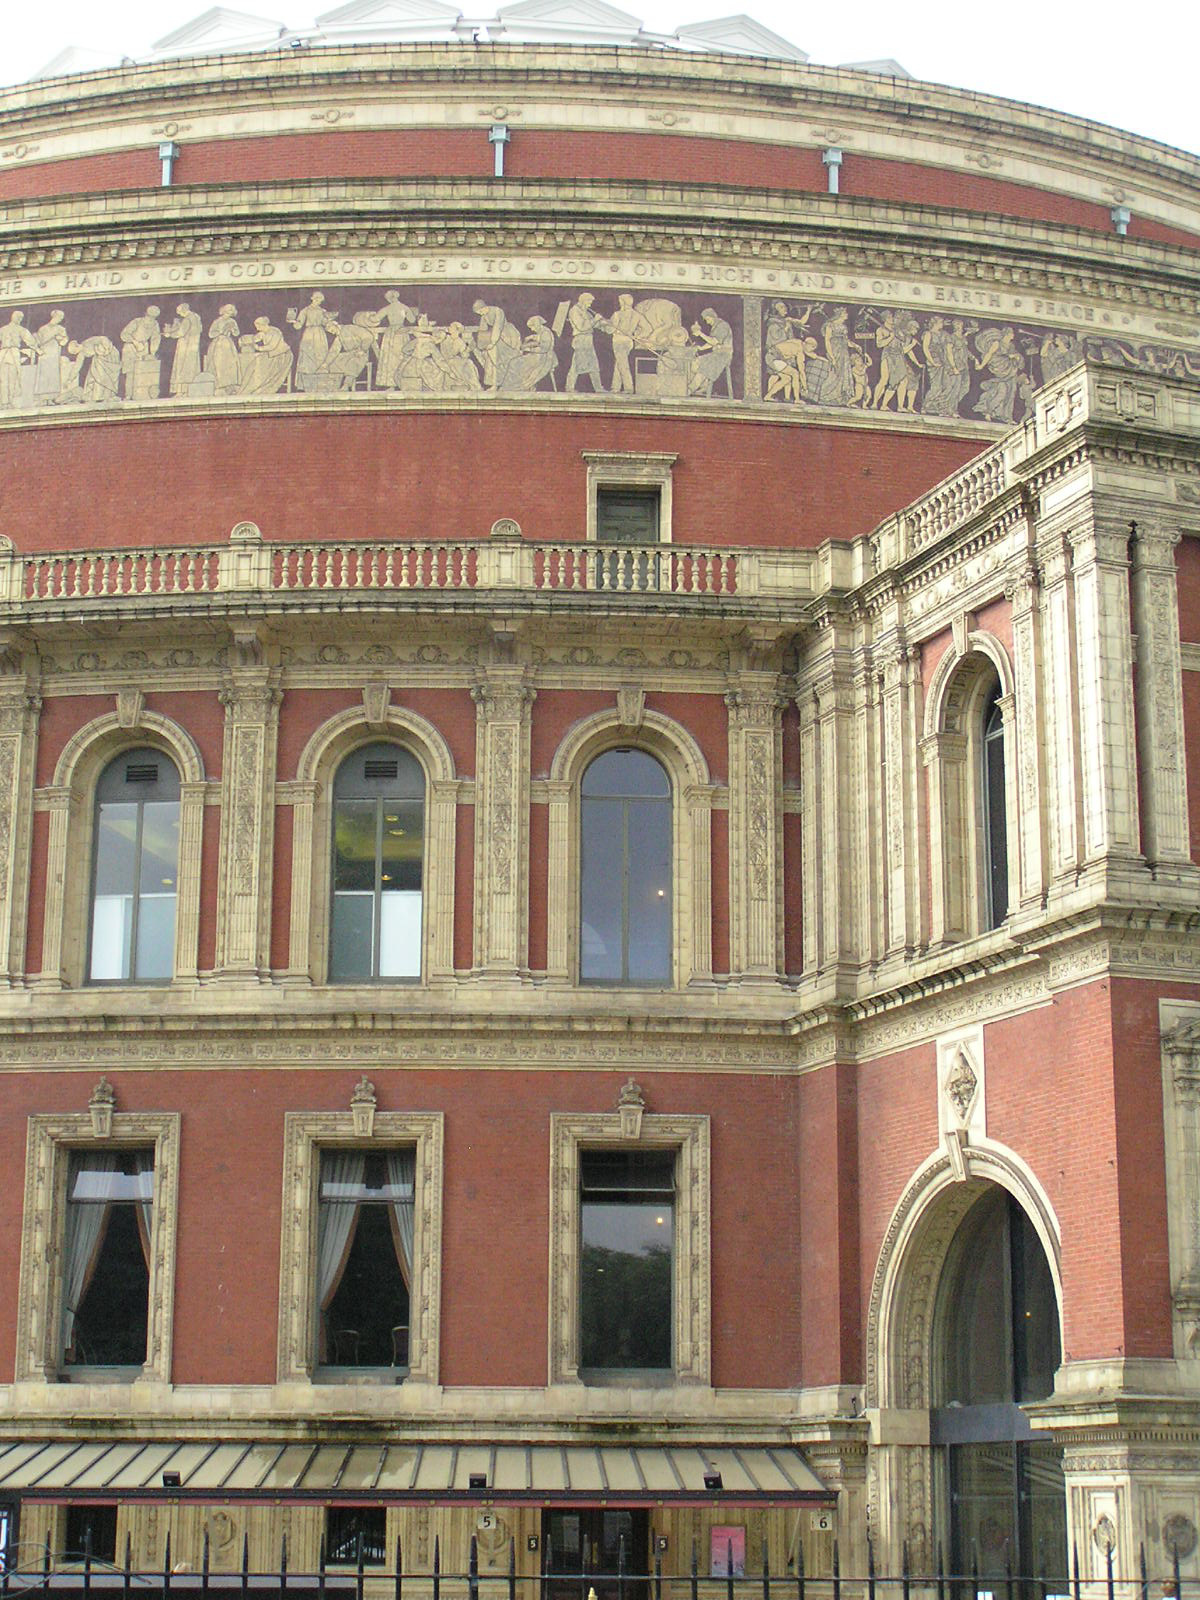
[380, 769]
[141, 772]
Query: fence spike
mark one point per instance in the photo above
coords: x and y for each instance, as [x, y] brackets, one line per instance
[400, 1569]
[1108, 1572]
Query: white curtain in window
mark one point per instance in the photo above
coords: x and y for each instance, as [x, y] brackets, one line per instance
[401, 1173]
[82, 1239]
[144, 1163]
[336, 1219]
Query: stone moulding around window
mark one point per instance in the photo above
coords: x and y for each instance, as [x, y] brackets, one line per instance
[39, 1295]
[691, 1312]
[306, 1134]
[622, 469]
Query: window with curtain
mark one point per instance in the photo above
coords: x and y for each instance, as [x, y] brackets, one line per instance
[627, 1217]
[625, 870]
[135, 871]
[995, 813]
[364, 1257]
[106, 1258]
[378, 860]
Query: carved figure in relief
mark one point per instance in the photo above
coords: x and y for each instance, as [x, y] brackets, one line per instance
[538, 358]
[51, 340]
[584, 361]
[15, 337]
[185, 330]
[782, 327]
[221, 358]
[997, 352]
[711, 361]
[350, 349]
[313, 322]
[265, 360]
[838, 383]
[786, 378]
[103, 362]
[394, 318]
[895, 339]
[455, 359]
[630, 328]
[943, 374]
[1058, 353]
[140, 339]
[496, 343]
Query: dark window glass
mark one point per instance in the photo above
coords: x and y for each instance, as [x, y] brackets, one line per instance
[91, 1530]
[364, 1257]
[999, 1318]
[345, 1526]
[627, 1207]
[378, 856]
[625, 870]
[106, 1258]
[627, 516]
[995, 824]
[136, 869]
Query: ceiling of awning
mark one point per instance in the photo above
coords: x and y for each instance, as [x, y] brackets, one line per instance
[512, 1472]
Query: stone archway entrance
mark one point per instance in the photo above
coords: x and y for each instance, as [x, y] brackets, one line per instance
[964, 1328]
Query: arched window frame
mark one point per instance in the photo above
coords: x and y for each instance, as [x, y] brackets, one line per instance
[71, 803]
[691, 839]
[116, 782]
[962, 686]
[312, 802]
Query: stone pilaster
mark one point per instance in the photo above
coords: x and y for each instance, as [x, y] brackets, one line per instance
[755, 813]
[1026, 761]
[1104, 663]
[502, 717]
[20, 706]
[950, 835]
[1058, 677]
[899, 800]
[251, 698]
[1159, 699]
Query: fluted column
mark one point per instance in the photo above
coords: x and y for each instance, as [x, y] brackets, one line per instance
[1159, 698]
[1027, 759]
[20, 706]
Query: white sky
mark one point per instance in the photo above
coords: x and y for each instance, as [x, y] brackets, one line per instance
[1132, 66]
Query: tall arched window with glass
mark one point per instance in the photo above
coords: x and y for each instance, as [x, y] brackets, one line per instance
[995, 812]
[378, 865]
[135, 874]
[625, 870]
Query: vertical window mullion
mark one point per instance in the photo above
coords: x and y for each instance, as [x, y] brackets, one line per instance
[377, 907]
[136, 894]
[624, 804]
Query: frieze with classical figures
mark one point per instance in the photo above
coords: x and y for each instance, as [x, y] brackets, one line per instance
[461, 340]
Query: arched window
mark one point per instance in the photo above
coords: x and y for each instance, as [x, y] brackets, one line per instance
[999, 1347]
[625, 870]
[378, 865]
[995, 816]
[135, 873]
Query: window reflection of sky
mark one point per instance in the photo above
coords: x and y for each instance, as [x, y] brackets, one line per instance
[634, 1228]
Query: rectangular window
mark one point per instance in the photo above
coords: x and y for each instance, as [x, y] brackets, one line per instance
[346, 1527]
[91, 1531]
[106, 1257]
[627, 1214]
[364, 1257]
[627, 516]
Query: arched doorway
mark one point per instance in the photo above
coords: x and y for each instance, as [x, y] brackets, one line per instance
[995, 1348]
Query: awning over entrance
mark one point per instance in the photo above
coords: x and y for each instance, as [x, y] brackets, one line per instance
[511, 1473]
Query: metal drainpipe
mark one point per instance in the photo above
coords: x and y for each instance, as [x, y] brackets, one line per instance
[498, 137]
[833, 160]
[1121, 218]
[168, 153]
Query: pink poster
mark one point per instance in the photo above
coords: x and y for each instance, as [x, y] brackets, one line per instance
[728, 1544]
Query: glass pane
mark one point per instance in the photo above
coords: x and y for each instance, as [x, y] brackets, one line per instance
[977, 1340]
[626, 772]
[625, 1284]
[116, 842]
[110, 1322]
[366, 1320]
[156, 937]
[402, 845]
[112, 930]
[602, 875]
[1037, 1349]
[354, 844]
[379, 770]
[352, 936]
[649, 891]
[160, 847]
[400, 935]
[982, 1490]
[997, 834]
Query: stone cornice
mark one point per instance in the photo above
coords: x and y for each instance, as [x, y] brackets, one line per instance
[992, 125]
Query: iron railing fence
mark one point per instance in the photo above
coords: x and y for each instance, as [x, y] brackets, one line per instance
[79, 1574]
